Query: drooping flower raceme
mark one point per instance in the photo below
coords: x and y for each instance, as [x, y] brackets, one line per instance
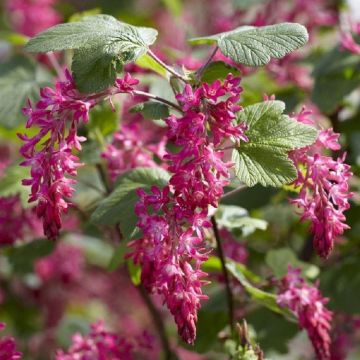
[324, 187]
[57, 115]
[8, 349]
[173, 220]
[98, 344]
[308, 305]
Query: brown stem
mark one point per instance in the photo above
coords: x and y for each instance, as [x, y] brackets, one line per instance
[169, 355]
[167, 67]
[233, 192]
[157, 98]
[203, 68]
[229, 294]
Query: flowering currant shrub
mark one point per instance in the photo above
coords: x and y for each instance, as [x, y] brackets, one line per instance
[168, 194]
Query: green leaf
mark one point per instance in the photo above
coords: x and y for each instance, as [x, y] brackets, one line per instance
[101, 45]
[104, 119]
[119, 206]
[10, 183]
[174, 6]
[257, 46]
[263, 298]
[134, 272]
[96, 251]
[147, 62]
[152, 110]
[232, 217]
[81, 15]
[14, 38]
[22, 258]
[20, 80]
[246, 4]
[264, 159]
[96, 29]
[280, 259]
[341, 283]
[336, 75]
[95, 67]
[118, 257]
[218, 70]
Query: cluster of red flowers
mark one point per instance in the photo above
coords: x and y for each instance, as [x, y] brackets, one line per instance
[173, 220]
[57, 114]
[324, 187]
[308, 305]
[100, 344]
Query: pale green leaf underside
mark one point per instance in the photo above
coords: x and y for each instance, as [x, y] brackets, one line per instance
[91, 29]
[263, 298]
[101, 45]
[119, 206]
[152, 110]
[257, 46]
[264, 159]
[20, 80]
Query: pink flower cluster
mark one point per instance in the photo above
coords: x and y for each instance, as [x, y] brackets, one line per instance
[63, 265]
[324, 188]
[233, 248]
[345, 335]
[29, 17]
[173, 219]
[8, 347]
[57, 114]
[131, 148]
[308, 305]
[16, 223]
[347, 39]
[99, 344]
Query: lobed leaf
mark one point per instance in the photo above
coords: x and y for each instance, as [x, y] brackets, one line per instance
[253, 46]
[119, 206]
[101, 45]
[264, 159]
[152, 110]
[20, 80]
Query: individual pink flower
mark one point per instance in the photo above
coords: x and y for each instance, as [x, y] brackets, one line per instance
[127, 83]
[57, 114]
[8, 349]
[308, 305]
[324, 188]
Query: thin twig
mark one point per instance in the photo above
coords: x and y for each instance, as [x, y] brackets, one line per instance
[203, 68]
[229, 294]
[167, 67]
[233, 192]
[55, 64]
[157, 98]
[158, 322]
[103, 178]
